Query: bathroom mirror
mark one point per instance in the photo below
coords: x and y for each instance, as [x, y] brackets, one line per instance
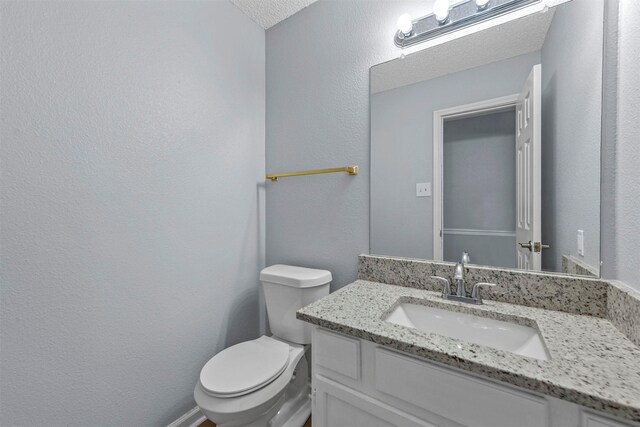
[490, 144]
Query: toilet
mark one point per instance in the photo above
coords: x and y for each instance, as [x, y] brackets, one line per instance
[266, 382]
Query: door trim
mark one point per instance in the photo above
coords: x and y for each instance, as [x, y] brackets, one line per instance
[488, 106]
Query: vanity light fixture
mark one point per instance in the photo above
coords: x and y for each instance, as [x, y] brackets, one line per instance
[446, 18]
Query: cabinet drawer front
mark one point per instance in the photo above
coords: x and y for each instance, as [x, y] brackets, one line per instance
[337, 353]
[457, 396]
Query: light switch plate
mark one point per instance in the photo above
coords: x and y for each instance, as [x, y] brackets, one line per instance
[581, 242]
[423, 189]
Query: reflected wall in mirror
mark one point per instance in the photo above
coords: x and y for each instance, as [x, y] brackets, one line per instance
[490, 144]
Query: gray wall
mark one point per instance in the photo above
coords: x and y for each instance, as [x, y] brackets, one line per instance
[571, 124]
[317, 101]
[628, 147]
[132, 148]
[402, 149]
[318, 116]
[479, 170]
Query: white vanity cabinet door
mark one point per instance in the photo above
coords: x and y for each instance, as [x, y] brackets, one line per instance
[339, 406]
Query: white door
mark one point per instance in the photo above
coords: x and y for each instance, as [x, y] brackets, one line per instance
[528, 171]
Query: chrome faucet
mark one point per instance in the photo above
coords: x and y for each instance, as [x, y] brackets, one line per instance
[458, 275]
[461, 292]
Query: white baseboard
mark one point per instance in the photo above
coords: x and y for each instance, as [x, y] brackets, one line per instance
[193, 418]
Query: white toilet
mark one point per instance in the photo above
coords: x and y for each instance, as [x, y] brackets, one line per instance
[265, 382]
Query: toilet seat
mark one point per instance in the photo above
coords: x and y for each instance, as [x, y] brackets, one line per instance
[242, 409]
[244, 368]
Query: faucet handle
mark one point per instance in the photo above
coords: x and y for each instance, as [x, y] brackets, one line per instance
[475, 292]
[465, 258]
[446, 290]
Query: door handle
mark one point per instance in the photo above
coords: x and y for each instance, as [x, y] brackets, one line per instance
[535, 247]
[538, 247]
[526, 245]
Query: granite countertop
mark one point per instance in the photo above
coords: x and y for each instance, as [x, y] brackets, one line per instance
[591, 362]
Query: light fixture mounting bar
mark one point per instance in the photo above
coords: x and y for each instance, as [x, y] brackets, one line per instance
[461, 15]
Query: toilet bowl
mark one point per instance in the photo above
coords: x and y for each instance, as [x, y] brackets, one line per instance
[227, 404]
[265, 382]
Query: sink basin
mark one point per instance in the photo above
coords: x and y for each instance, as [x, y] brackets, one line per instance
[498, 334]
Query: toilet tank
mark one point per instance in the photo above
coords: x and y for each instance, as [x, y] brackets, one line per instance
[286, 290]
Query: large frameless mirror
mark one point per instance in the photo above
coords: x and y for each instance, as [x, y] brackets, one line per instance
[490, 144]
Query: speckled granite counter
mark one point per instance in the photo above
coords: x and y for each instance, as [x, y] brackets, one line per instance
[592, 363]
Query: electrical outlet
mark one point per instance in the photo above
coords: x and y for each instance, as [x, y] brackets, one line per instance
[423, 189]
[581, 242]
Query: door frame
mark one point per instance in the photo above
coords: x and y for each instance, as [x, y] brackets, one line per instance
[494, 105]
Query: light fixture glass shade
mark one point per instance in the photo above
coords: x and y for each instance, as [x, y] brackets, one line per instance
[441, 10]
[405, 24]
[482, 3]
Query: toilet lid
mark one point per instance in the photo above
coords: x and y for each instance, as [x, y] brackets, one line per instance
[244, 367]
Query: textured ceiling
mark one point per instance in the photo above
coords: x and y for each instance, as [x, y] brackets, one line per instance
[268, 13]
[494, 44]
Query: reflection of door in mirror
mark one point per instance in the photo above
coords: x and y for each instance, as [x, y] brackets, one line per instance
[528, 173]
[478, 198]
[487, 173]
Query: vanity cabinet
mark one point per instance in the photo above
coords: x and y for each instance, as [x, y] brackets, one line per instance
[359, 383]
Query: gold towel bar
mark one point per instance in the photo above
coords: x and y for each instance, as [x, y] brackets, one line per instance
[351, 170]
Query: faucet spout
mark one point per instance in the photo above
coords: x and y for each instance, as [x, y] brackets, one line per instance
[459, 278]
